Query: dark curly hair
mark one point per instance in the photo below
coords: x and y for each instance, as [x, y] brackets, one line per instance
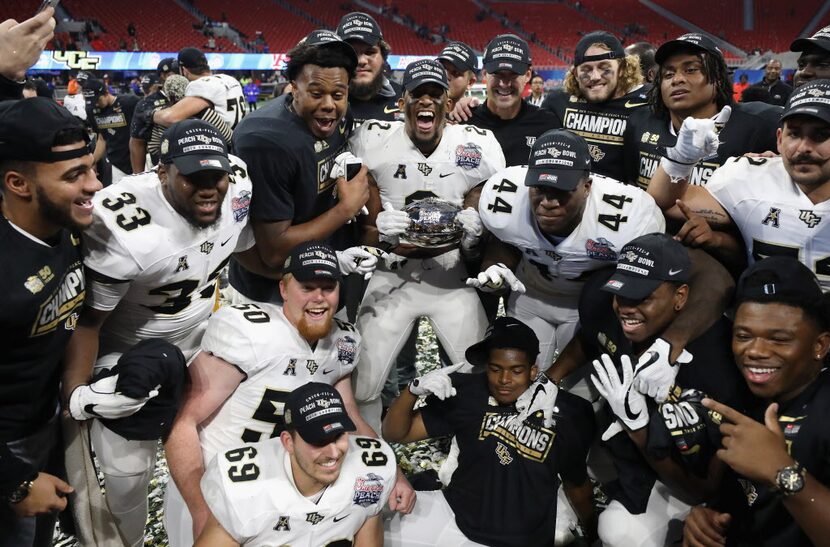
[322, 56]
[715, 71]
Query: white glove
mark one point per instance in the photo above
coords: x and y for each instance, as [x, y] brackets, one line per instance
[100, 400]
[470, 222]
[540, 395]
[357, 260]
[392, 261]
[339, 169]
[437, 382]
[627, 404]
[391, 224]
[696, 140]
[654, 375]
[493, 279]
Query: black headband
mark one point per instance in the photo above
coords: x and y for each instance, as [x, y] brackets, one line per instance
[601, 57]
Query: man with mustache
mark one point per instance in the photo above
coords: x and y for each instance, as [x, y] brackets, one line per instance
[779, 205]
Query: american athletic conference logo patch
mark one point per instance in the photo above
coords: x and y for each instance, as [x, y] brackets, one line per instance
[240, 205]
[368, 490]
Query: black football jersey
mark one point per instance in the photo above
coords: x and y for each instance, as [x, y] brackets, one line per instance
[114, 123]
[601, 124]
[383, 106]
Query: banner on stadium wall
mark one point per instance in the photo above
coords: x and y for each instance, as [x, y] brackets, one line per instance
[149, 60]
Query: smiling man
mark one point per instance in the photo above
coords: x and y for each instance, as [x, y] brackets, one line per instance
[314, 485]
[692, 81]
[602, 89]
[290, 146]
[156, 247]
[814, 59]
[252, 357]
[504, 491]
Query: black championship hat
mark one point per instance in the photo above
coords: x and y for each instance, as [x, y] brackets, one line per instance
[507, 52]
[645, 263]
[312, 260]
[821, 40]
[317, 412]
[779, 276]
[425, 71]
[811, 99]
[192, 58]
[168, 64]
[504, 332]
[359, 26]
[690, 41]
[194, 145]
[328, 39]
[28, 128]
[460, 55]
[598, 37]
[559, 159]
[94, 88]
[149, 80]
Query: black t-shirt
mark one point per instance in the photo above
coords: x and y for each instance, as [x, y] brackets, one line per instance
[289, 169]
[43, 294]
[712, 371]
[149, 132]
[751, 128]
[504, 490]
[601, 124]
[383, 106]
[760, 518]
[517, 135]
[113, 122]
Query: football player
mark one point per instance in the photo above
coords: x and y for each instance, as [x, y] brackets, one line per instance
[252, 357]
[504, 491]
[419, 158]
[314, 485]
[692, 80]
[777, 444]
[157, 244]
[814, 61]
[664, 455]
[109, 117]
[777, 204]
[461, 64]
[215, 98]
[602, 89]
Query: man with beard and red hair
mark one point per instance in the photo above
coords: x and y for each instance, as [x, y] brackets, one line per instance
[252, 357]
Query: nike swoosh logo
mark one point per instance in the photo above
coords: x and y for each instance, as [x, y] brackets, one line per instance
[629, 104]
[442, 175]
[631, 415]
[675, 272]
[653, 356]
[390, 109]
[327, 371]
[339, 519]
[223, 243]
[539, 388]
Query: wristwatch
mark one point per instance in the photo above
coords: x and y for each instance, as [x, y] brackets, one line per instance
[790, 479]
[19, 494]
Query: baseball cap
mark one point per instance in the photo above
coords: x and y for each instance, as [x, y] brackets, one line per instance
[645, 263]
[312, 260]
[194, 145]
[779, 276]
[559, 159]
[168, 64]
[598, 37]
[28, 128]
[507, 52]
[359, 26]
[190, 58]
[148, 80]
[692, 40]
[504, 332]
[94, 88]
[461, 55]
[810, 99]
[425, 71]
[821, 40]
[317, 412]
[329, 39]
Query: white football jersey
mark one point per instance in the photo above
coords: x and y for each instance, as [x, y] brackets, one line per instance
[224, 92]
[465, 157]
[260, 341]
[251, 492]
[614, 214]
[150, 267]
[772, 213]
